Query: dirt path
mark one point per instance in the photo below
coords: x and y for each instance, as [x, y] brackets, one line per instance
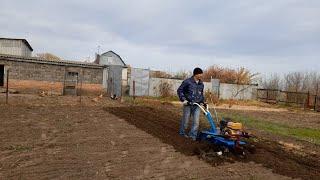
[163, 124]
[57, 139]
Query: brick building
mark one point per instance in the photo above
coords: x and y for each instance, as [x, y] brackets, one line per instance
[31, 75]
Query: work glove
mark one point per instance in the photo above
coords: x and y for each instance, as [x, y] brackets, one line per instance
[186, 103]
[205, 104]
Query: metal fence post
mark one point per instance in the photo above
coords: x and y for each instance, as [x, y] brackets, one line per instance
[7, 88]
[134, 89]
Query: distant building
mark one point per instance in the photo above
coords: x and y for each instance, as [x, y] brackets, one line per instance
[33, 74]
[115, 78]
[110, 58]
[17, 47]
[29, 74]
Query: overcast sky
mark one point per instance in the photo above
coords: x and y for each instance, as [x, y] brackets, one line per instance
[266, 36]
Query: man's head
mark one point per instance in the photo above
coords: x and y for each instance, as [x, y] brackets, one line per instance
[197, 73]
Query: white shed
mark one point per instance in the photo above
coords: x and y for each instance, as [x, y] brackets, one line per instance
[115, 75]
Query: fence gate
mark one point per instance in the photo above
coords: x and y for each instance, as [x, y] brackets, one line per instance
[317, 104]
[267, 95]
[71, 82]
[139, 82]
[114, 80]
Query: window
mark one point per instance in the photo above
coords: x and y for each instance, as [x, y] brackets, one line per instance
[72, 77]
[73, 74]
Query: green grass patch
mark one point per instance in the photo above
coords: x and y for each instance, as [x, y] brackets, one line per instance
[306, 134]
[19, 148]
[146, 99]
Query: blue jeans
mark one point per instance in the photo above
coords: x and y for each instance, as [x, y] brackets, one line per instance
[188, 111]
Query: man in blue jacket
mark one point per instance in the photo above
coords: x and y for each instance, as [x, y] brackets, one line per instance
[189, 92]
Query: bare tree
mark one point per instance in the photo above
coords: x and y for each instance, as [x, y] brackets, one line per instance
[48, 56]
[182, 74]
[228, 75]
[314, 82]
[294, 81]
[160, 74]
[302, 82]
[272, 82]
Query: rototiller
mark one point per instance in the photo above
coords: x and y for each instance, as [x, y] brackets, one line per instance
[229, 137]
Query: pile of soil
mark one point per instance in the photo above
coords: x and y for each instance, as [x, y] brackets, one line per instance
[163, 123]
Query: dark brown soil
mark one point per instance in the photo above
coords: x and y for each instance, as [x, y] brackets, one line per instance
[164, 124]
[57, 138]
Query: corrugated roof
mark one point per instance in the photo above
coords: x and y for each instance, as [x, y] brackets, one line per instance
[54, 62]
[24, 40]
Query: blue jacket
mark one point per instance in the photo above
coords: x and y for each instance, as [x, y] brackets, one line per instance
[191, 91]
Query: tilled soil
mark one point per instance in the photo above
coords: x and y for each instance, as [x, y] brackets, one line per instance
[164, 124]
[56, 138]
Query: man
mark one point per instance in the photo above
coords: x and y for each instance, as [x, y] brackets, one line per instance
[189, 92]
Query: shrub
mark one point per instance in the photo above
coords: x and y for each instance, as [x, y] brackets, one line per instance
[165, 89]
[228, 75]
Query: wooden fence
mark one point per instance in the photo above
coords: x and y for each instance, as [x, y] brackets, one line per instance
[302, 99]
[317, 104]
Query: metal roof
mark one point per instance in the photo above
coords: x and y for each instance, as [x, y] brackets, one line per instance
[45, 61]
[23, 40]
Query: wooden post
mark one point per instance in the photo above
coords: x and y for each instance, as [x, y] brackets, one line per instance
[64, 81]
[7, 90]
[81, 85]
[219, 91]
[308, 100]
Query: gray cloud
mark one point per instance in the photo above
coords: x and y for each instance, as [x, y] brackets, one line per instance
[265, 36]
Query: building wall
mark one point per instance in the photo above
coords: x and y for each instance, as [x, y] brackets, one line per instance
[235, 91]
[14, 47]
[227, 91]
[155, 83]
[31, 77]
[25, 51]
[124, 76]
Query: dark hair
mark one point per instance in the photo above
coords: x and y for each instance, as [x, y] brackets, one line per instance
[197, 71]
